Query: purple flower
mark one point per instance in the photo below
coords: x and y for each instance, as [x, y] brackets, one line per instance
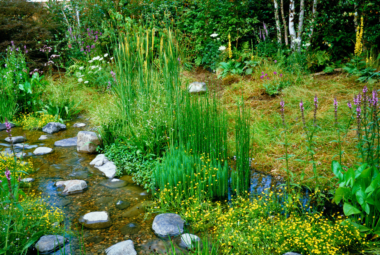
[81, 49]
[8, 126]
[96, 38]
[358, 111]
[282, 103]
[113, 76]
[262, 77]
[92, 46]
[374, 97]
[335, 102]
[365, 89]
[267, 78]
[349, 105]
[275, 61]
[316, 101]
[281, 75]
[12, 43]
[262, 72]
[109, 85]
[301, 106]
[8, 174]
[266, 74]
[274, 72]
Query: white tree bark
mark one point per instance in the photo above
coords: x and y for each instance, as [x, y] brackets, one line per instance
[315, 3]
[277, 17]
[284, 22]
[292, 31]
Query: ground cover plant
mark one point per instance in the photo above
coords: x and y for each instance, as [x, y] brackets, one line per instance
[292, 92]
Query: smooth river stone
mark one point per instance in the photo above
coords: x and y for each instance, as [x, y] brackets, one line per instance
[130, 229]
[113, 183]
[15, 139]
[43, 137]
[168, 224]
[136, 210]
[79, 125]
[102, 163]
[69, 142]
[122, 204]
[25, 146]
[4, 127]
[27, 180]
[72, 186]
[122, 248]
[87, 142]
[42, 151]
[53, 127]
[189, 241]
[50, 243]
[96, 220]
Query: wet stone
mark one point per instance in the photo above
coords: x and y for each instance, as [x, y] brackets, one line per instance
[4, 127]
[189, 241]
[8, 153]
[79, 125]
[27, 180]
[158, 246]
[69, 142]
[107, 167]
[122, 248]
[168, 224]
[94, 239]
[15, 139]
[5, 144]
[62, 202]
[53, 127]
[96, 220]
[72, 186]
[49, 243]
[136, 210]
[25, 146]
[87, 142]
[79, 174]
[113, 183]
[292, 253]
[43, 137]
[42, 151]
[130, 229]
[122, 204]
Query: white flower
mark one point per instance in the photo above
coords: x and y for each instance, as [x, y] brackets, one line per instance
[111, 58]
[80, 80]
[100, 68]
[307, 44]
[96, 58]
[105, 55]
[297, 40]
[93, 67]
[86, 82]
[81, 68]
[218, 39]
[214, 35]
[90, 61]
[222, 48]
[100, 59]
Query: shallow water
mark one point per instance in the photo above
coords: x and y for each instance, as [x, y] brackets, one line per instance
[68, 164]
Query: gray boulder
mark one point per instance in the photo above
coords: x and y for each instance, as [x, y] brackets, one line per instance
[43, 137]
[42, 151]
[87, 142]
[189, 241]
[113, 183]
[69, 142]
[72, 186]
[4, 127]
[197, 87]
[122, 248]
[102, 163]
[168, 224]
[25, 146]
[79, 125]
[50, 243]
[16, 139]
[53, 127]
[96, 220]
[27, 180]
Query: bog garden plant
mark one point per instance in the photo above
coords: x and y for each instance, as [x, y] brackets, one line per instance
[302, 108]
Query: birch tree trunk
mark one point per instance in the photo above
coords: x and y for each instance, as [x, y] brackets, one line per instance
[284, 22]
[277, 17]
[292, 31]
[315, 2]
[300, 24]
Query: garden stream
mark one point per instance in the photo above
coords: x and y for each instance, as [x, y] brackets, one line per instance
[65, 163]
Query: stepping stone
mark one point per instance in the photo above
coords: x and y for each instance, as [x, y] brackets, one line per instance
[113, 183]
[122, 204]
[53, 127]
[87, 142]
[27, 180]
[122, 248]
[69, 142]
[189, 241]
[8, 153]
[292, 253]
[96, 220]
[4, 127]
[130, 229]
[25, 146]
[197, 87]
[72, 187]
[42, 151]
[16, 139]
[102, 163]
[79, 125]
[50, 243]
[43, 137]
[136, 210]
[168, 224]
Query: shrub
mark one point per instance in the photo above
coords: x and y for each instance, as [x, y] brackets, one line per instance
[35, 121]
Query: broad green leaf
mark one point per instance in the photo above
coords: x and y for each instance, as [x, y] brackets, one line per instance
[348, 209]
[360, 170]
[342, 193]
[337, 170]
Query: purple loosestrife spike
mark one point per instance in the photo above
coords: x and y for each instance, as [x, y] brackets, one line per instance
[266, 74]
[282, 103]
[265, 28]
[8, 174]
[301, 106]
[365, 89]
[275, 61]
[280, 74]
[262, 77]
[262, 72]
[315, 110]
[275, 73]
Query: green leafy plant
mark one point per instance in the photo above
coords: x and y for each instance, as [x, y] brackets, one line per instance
[235, 67]
[357, 67]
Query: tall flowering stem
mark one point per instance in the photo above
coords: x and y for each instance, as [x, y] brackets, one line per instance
[282, 104]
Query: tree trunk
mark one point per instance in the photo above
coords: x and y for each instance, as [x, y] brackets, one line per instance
[277, 17]
[292, 31]
[284, 22]
[300, 23]
[315, 2]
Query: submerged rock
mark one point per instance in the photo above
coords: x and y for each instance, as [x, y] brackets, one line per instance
[53, 127]
[189, 241]
[96, 220]
[15, 139]
[122, 248]
[136, 210]
[122, 204]
[50, 243]
[9, 153]
[113, 183]
[292, 253]
[72, 187]
[43, 137]
[42, 151]
[25, 146]
[4, 127]
[87, 142]
[130, 229]
[79, 125]
[27, 180]
[104, 165]
[66, 142]
[197, 87]
[168, 224]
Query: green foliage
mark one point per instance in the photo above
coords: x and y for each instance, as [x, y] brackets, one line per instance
[359, 190]
[359, 68]
[188, 175]
[235, 67]
[130, 160]
[274, 87]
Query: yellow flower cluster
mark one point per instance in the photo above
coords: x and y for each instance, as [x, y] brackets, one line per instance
[359, 38]
[34, 121]
[22, 168]
[229, 46]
